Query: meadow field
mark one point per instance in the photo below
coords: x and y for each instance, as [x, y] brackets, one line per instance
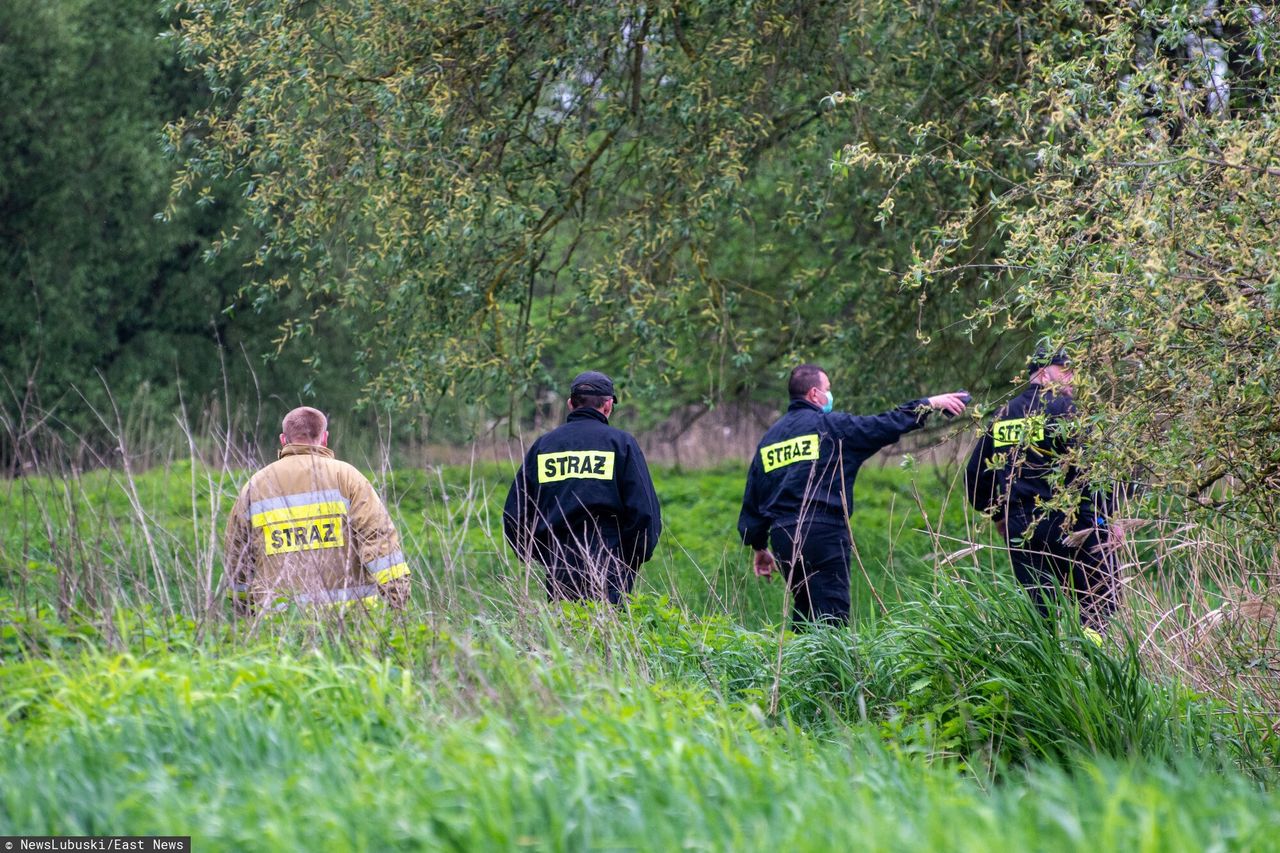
[426, 218]
[950, 716]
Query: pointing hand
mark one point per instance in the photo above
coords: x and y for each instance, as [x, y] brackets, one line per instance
[951, 404]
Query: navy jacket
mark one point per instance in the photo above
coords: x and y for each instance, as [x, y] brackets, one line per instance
[1033, 435]
[583, 486]
[804, 468]
[982, 477]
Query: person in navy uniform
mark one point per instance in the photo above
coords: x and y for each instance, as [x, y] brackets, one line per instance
[1049, 548]
[582, 504]
[799, 493]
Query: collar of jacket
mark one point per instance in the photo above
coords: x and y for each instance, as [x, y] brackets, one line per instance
[802, 403]
[303, 450]
[587, 412]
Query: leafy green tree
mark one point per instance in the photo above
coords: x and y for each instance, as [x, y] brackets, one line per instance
[98, 293]
[1143, 234]
[510, 189]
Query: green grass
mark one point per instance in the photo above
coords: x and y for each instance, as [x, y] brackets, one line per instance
[474, 743]
[450, 520]
[951, 716]
[699, 562]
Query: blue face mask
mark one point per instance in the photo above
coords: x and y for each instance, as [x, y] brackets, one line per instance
[831, 401]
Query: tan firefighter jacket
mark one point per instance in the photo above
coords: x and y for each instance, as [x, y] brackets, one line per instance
[310, 530]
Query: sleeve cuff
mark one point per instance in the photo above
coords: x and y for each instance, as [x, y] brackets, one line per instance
[388, 568]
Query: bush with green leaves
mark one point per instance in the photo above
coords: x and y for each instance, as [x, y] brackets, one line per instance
[1136, 224]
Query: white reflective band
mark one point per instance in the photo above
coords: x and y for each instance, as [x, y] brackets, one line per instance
[333, 596]
[297, 506]
[339, 599]
[384, 562]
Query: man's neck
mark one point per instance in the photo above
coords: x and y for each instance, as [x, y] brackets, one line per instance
[588, 412]
[297, 448]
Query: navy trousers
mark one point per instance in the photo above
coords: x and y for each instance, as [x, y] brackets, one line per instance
[815, 559]
[600, 576]
[1044, 563]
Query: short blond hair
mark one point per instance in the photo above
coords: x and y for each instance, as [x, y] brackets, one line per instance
[304, 425]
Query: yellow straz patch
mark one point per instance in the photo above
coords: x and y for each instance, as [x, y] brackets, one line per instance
[802, 448]
[310, 534]
[1018, 431]
[575, 465]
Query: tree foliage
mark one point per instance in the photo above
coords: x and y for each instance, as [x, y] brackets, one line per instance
[463, 195]
[87, 274]
[481, 188]
[99, 294]
[1143, 234]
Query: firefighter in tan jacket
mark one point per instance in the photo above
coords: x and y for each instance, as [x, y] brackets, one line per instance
[309, 530]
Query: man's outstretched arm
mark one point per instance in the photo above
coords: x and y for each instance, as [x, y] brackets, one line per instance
[872, 432]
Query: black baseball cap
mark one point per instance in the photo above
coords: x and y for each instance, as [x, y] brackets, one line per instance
[1045, 356]
[592, 382]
